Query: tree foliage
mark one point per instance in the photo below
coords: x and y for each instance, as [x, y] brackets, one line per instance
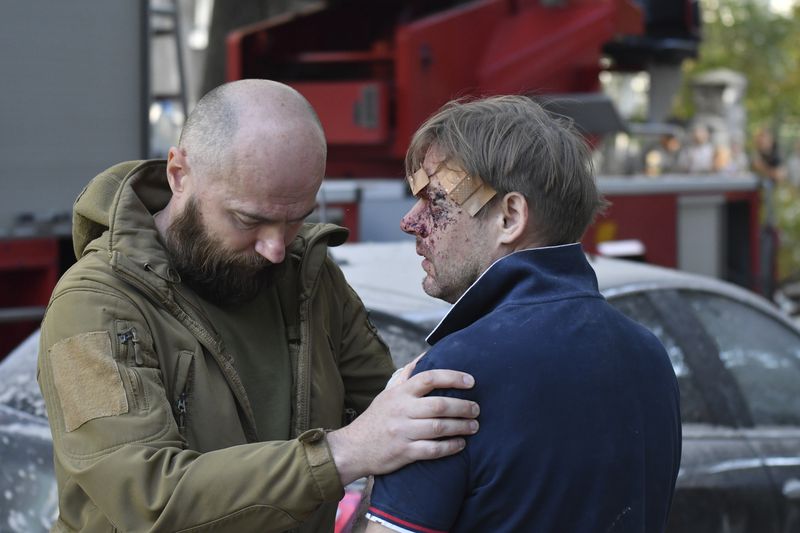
[747, 36]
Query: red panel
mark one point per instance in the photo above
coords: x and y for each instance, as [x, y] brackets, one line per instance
[344, 214]
[629, 19]
[497, 47]
[351, 112]
[564, 57]
[234, 54]
[435, 61]
[363, 161]
[29, 270]
[650, 219]
[477, 48]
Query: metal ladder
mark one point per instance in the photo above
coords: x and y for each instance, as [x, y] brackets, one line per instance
[164, 22]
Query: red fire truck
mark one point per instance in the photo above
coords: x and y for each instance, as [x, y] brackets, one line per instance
[375, 70]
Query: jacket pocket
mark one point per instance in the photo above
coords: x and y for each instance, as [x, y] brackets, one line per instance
[182, 388]
[137, 392]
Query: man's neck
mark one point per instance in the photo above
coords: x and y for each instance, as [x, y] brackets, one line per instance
[162, 221]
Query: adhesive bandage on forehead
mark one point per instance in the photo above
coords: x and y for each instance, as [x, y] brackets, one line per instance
[470, 192]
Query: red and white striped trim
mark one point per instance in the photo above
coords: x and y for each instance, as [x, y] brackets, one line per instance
[397, 524]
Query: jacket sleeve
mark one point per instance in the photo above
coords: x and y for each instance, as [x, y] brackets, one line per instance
[118, 451]
[365, 364]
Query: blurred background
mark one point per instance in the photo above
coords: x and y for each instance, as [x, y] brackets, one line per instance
[692, 109]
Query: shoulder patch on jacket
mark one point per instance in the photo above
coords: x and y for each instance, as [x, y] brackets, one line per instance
[87, 379]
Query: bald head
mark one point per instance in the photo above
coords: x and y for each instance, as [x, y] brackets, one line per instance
[246, 111]
[244, 177]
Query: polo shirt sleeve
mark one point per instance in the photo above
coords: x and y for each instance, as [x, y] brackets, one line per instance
[423, 497]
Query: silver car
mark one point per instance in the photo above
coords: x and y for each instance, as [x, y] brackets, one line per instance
[736, 357]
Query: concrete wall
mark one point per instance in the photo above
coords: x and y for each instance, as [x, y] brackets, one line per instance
[72, 99]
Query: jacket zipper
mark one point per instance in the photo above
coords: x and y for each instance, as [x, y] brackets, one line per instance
[304, 364]
[199, 332]
[180, 407]
[183, 377]
[303, 372]
[130, 336]
[129, 342]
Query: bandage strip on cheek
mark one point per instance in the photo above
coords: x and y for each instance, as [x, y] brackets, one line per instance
[470, 192]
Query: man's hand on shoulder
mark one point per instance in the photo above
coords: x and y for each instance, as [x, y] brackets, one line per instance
[403, 426]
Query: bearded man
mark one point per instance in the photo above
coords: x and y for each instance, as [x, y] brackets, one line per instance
[580, 424]
[199, 358]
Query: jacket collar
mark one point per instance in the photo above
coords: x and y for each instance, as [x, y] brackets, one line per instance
[115, 212]
[531, 276]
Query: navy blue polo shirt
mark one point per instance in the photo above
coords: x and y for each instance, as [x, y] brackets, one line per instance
[580, 419]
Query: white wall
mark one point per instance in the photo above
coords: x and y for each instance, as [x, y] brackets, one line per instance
[71, 98]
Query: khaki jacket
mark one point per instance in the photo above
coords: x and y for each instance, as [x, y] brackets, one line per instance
[152, 428]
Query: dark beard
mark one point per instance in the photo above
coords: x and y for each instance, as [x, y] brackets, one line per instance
[217, 275]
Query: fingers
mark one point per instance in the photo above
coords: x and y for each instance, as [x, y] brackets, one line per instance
[413, 363]
[409, 368]
[425, 382]
[403, 425]
[401, 375]
[397, 378]
[423, 450]
[442, 407]
[437, 428]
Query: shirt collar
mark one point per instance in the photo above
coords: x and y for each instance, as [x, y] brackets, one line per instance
[531, 275]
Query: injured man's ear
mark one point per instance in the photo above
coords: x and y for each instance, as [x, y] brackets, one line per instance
[470, 192]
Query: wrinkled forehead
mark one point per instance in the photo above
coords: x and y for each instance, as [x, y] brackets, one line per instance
[265, 185]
